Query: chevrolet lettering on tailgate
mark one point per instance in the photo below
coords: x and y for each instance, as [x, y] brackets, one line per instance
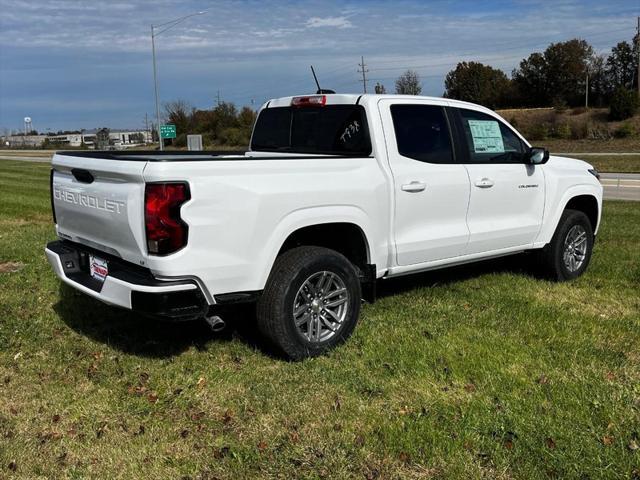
[86, 200]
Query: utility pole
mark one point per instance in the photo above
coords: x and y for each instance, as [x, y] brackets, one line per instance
[364, 72]
[218, 98]
[164, 27]
[155, 85]
[638, 44]
[586, 93]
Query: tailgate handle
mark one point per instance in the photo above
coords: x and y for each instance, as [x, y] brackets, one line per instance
[82, 175]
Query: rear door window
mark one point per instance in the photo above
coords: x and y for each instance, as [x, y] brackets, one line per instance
[422, 133]
[329, 129]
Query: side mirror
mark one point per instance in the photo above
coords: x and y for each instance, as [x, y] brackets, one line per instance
[537, 156]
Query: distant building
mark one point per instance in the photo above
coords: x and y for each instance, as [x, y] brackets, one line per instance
[108, 139]
[23, 141]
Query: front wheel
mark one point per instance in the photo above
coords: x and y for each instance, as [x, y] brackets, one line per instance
[568, 254]
[311, 302]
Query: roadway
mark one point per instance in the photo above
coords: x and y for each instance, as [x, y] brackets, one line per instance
[617, 186]
[621, 186]
[25, 158]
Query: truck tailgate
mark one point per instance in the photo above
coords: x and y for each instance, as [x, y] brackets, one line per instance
[100, 203]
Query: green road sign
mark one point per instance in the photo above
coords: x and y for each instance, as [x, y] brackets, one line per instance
[168, 131]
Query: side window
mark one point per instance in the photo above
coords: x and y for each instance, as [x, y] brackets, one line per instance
[422, 133]
[489, 140]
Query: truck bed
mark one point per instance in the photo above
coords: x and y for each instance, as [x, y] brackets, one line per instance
[191, 156]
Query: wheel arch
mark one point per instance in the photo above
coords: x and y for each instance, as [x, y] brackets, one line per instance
[585, 198]
[345, 229]
[344, 237]
[587, 204]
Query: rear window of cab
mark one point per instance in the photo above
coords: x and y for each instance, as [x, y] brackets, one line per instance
[327, 129]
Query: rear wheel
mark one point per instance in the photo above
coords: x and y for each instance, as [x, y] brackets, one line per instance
[568, 254]
[311, 302]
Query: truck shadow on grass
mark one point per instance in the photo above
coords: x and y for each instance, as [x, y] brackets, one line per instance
[520, 264]
[134, 334]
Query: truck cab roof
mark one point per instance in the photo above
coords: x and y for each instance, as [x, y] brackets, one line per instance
[355, 99]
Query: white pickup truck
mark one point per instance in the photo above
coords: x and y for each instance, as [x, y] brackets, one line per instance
[336, 192]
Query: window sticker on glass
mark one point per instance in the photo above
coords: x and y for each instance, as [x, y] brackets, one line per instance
[486, 136]
[350, 131]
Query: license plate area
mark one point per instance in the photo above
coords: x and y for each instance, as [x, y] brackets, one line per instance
[84, 268]
[98, 268]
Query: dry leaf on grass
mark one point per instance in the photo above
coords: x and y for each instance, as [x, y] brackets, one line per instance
[11, 267]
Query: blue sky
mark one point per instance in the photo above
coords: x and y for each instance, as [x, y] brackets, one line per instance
[85, 64]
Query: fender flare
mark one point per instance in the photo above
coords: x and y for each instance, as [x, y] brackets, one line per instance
[307, 217]
[550, 225]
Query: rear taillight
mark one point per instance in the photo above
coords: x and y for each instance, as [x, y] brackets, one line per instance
[166, 232]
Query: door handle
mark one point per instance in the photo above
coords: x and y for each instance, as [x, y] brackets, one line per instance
[414, 186]
[484, 183]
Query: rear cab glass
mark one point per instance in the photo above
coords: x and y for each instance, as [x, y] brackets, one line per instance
[328, 129]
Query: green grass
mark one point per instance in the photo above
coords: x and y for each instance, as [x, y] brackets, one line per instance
[476, 372]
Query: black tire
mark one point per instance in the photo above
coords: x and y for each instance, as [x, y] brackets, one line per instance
[275, 307]
[552, 255]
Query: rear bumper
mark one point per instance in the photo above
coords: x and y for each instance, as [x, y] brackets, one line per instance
[127, 285]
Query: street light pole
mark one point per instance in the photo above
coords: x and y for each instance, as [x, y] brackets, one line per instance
[167, 25]
[155, 85]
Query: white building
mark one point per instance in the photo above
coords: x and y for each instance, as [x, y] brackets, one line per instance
[117, 139]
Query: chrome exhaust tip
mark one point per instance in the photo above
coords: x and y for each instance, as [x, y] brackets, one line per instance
[215, 323]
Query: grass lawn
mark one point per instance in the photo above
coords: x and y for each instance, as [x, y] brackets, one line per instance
[476, 372]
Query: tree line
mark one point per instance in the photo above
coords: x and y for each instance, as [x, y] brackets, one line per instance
[566, 74]
[223, 125]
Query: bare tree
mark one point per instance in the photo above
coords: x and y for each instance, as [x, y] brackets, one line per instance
[409, 83]
[179, 113]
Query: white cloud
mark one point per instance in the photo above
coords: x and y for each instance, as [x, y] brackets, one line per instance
[334, 22]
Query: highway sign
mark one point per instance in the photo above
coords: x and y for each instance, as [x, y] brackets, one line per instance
[168, 131]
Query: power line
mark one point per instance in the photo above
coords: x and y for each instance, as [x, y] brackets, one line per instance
[513, 47]
[472, 53]
[330, 80]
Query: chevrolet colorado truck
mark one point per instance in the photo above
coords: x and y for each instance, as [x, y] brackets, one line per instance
[335, 192]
